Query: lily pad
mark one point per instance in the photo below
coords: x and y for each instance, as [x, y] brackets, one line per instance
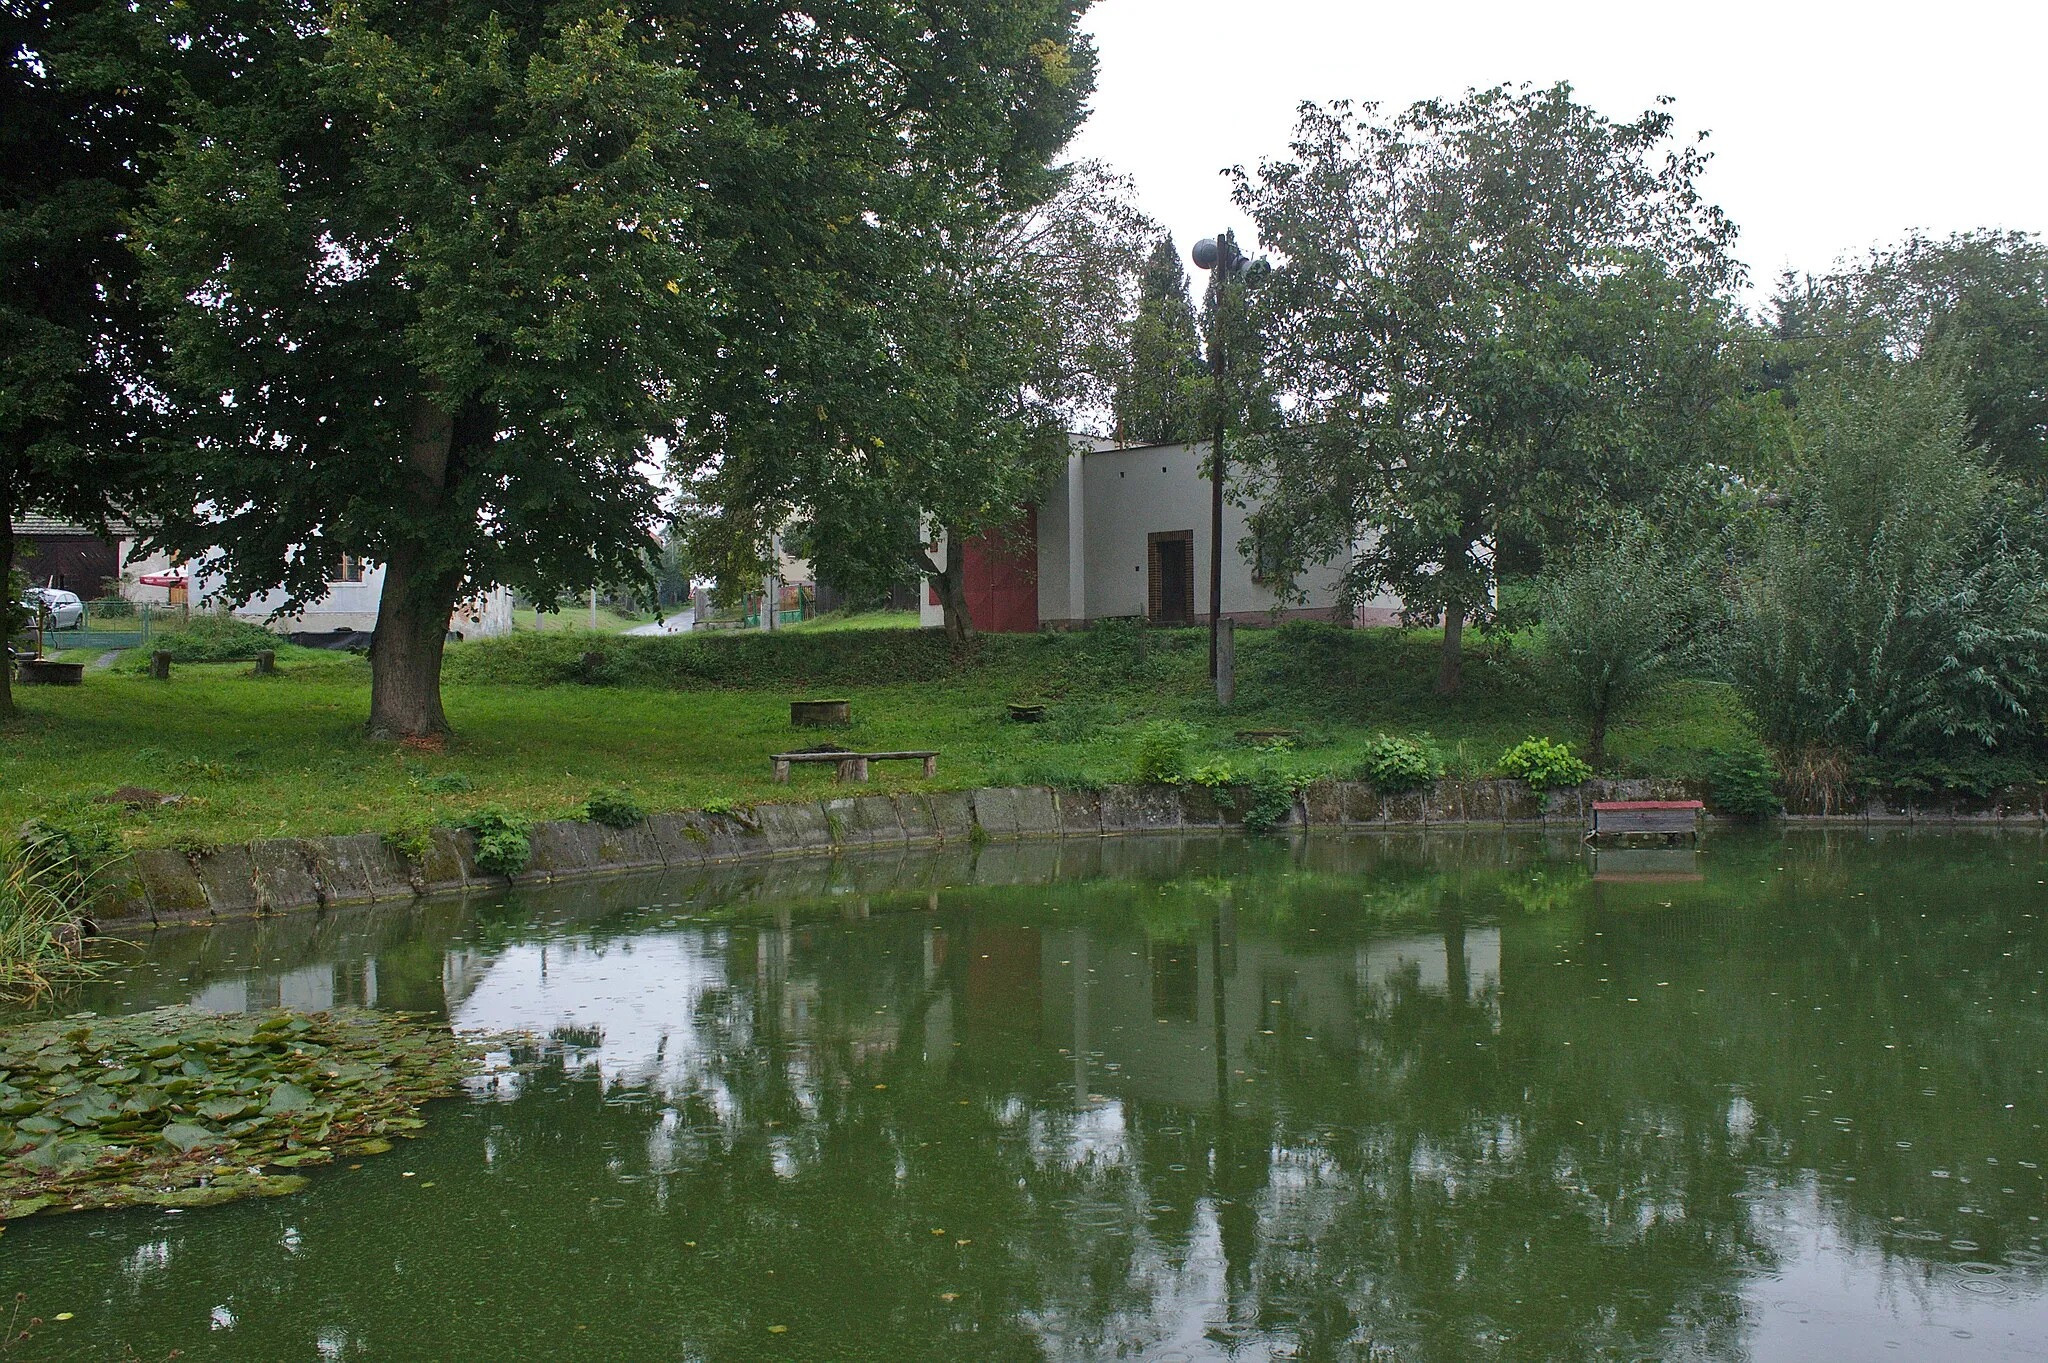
[289, 1098]
[121, 1111]
[185, 1137]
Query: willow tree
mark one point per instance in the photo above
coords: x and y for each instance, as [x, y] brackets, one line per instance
[1493, 317]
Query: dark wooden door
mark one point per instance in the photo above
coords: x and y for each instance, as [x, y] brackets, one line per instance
[1173, 577]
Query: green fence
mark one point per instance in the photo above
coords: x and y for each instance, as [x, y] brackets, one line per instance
[111, 624]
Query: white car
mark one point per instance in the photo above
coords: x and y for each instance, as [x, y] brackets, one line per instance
[59, 609]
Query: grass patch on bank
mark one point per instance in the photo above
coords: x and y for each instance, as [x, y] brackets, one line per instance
[679, 721]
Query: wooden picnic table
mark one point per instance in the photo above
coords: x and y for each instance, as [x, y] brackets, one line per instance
[853, 766]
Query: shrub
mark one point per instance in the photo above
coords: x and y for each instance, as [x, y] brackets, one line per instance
[1742, 782]
[1393, 764]
[614, 809]
[1544, 764]
[1162, 753]
[1618, 618]
[213, 638]
[1894, 607]
[1274, 788]
[502, 843]
[414, 839]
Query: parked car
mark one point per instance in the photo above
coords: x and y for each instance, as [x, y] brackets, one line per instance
[59, 609]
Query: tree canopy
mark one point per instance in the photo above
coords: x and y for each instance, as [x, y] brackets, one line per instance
[1975, 304]
[1490, 317]
[444, 278]
[82, 104]
[1003, 339]
[1159, 397]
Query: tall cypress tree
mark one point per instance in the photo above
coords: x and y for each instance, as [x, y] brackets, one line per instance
[1159, 398]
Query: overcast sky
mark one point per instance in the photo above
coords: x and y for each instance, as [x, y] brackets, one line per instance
[1836, 125]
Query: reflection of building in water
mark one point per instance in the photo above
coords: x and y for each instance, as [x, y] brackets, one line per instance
[1140, 1016]
[1393, 968]
[309, 989]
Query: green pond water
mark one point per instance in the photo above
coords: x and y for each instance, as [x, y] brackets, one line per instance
[1390, 1098]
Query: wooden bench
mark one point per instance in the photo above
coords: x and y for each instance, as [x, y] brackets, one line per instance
[853, 766]
[1656, 818]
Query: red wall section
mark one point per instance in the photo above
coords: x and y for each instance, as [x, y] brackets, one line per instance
[1002, 578]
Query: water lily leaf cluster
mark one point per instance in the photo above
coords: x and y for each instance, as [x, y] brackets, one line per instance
[176, 1108]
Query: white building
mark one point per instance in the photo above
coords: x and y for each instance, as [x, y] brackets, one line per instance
[1125, 532]
[350, 605]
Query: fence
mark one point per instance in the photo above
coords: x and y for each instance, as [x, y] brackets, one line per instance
[109, 625]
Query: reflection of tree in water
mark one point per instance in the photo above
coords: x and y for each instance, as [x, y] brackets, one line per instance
[1451, 1116]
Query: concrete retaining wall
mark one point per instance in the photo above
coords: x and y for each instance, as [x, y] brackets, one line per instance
[165, 886]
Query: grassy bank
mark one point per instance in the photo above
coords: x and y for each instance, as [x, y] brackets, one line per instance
[682, 722]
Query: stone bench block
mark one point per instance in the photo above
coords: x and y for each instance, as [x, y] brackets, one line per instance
[952, 814]
[285, 878]
[795, 828]
[173, 887]
[864, 820]
[1080, 812]
[1138, 809]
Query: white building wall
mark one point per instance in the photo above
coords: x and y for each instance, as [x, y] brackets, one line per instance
[348, 606]
[1120, 497]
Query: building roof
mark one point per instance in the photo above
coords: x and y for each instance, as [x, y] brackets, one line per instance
[29, 523]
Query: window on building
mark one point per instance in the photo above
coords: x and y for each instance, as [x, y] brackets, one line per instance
[351, 569]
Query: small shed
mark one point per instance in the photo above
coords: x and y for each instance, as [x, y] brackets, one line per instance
[1668, 819]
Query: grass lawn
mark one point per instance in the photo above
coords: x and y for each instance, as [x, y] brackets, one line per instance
[845, 620]
[683, 721]
[575, 618]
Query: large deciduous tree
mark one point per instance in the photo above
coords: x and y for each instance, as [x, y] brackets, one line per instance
[81, 110]
[447, 277]
[1159, 398]
[1492, 317]
[432, 288]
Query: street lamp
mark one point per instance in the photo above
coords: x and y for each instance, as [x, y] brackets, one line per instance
[1220, 255]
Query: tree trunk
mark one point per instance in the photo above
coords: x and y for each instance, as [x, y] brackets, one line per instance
[8, 607]
[1454, 636]
[1596, 744]
[405, 652]
[421, 584]
[951, 585]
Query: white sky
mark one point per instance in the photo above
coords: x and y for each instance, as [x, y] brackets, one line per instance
[1837, 124]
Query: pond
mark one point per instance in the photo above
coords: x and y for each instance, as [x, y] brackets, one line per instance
[1384, 1098]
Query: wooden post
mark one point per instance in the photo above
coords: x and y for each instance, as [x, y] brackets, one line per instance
[160, 665]
[266, 662]
[1226, 661]
[782, 770]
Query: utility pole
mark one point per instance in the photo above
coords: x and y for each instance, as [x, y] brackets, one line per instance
[1228, 266]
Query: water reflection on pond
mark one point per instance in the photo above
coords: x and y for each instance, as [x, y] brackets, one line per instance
[1389, 1098]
